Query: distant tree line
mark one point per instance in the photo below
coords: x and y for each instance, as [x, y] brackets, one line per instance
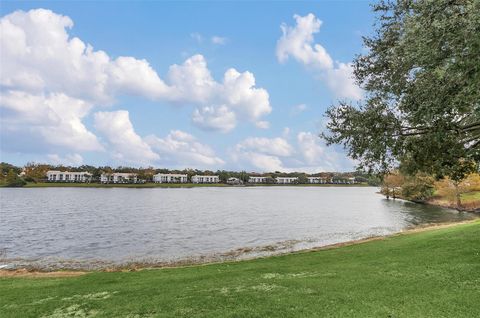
[36, 172]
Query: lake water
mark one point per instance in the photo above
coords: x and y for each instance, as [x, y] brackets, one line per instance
[88, 227]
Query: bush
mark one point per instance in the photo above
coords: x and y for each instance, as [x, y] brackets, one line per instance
[418, 188]
[13, 180]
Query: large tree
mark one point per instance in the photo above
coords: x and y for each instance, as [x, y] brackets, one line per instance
[421, 77]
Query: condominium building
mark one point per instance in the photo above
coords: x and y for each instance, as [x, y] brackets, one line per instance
[205, 179]
[118, 177]
[317, 180]
[67, 176]
[170, 178]
[255, 179]
[286, 180]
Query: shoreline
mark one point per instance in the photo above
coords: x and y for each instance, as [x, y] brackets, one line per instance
[34, 272]
[175, 185]
[442, 204]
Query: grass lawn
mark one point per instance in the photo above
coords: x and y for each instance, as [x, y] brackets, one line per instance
[435, 273]
[471, 197]
[470, 200]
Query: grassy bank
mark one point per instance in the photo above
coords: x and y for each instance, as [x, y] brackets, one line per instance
[169, 185]
[435, 273]
[470, 201]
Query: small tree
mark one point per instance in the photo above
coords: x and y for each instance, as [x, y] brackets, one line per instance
[392, 184]
[13, 180]
[453, 189]
[418, 188]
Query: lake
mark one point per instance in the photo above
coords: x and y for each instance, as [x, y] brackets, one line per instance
[94, 227]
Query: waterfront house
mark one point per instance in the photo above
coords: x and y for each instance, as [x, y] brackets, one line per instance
[319, 180]
[67, 176]
[118, 177]
[170, 178]
[286, 180]
[205, 179]
[256, 179]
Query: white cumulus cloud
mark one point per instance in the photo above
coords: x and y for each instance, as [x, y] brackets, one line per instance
[124, 143]
[74, 159]
[262, 124]
[181, 150]
[308, 154]
[298, 42]
[215, 118]
[47, 121]
[51, 82]
[270, 146]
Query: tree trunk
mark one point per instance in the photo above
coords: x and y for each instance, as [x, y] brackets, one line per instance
[457, 196]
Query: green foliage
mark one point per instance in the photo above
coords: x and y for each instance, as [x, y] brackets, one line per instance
[302, 178]
[429, 274]
[6, 167]
[38, 172]
[421, 76]
[13, 180]
[418, 188]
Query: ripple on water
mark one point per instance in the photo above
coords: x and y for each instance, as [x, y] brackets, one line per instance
[104, 227]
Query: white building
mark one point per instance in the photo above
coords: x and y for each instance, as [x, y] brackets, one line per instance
[67, 176]
[317, 180]
[170, 178]
[205, 179]
[286, 180]
[255, 179]
[118, 177]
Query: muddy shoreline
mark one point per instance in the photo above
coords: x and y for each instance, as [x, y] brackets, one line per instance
[31, 271]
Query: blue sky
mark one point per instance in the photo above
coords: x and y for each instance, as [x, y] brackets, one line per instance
[266, 119]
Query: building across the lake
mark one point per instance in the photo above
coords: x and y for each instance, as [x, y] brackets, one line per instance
[67, 176]
[286, 180]
[205, 179]
[170, 178]
[321, 180]
[118, 177]
[256, 179]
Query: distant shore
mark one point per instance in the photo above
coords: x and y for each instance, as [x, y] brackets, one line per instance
[174, 185]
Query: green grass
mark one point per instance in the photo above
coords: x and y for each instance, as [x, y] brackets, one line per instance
[428, 274]
[471, 197]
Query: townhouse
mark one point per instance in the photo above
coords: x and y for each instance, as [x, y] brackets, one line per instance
[118, 177]
[319, 180]
[256, 179]
[170, 178]
[68, 176]
[205, 179]
[286, 180]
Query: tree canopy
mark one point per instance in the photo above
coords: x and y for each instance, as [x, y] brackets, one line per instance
[421, 77]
